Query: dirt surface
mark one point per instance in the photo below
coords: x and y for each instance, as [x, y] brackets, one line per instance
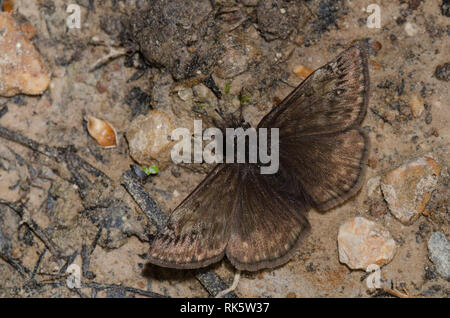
[57, 210]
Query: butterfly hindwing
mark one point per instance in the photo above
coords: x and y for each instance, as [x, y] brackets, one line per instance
[269, 222]
[329, 167]
[198, 230]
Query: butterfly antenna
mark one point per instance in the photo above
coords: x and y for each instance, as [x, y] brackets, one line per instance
[233, 286]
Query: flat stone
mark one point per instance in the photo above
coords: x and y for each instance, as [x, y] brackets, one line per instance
[234, 62]
[408, 188]
[149, 138]
[363, 242]
[439, 253]
[442, 72]
[21, 67]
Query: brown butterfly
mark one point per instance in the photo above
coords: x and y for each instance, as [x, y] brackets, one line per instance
[257, 220]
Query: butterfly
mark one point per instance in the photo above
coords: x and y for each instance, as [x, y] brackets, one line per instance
[258, 220]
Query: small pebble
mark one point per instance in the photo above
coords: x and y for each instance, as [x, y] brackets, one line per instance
[439, 253]
[302, 71]
[28, 30]
[408, 188]
[362, 242]
[442, 72]
[416, 104]
[234, 62]
[411, 29]
[149, 138]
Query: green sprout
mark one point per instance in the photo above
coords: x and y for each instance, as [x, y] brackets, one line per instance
[244, 99]
[227, 87]
[151, 170]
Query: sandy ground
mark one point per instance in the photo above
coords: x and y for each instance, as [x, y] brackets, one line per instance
[414, 38]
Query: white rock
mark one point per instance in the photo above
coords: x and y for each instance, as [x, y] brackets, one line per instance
[439, 253]
[373, 186]
[362, 243]
[411, 29]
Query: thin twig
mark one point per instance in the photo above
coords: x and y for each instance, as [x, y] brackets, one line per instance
[113, 54]
[377, 113]
[17, 265]
[33, 226]
[395, 293]
[38, 263]
[98, 286]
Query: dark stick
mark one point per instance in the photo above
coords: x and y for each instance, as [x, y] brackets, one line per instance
[17, 265]
[145, 202]
[70, 260]
[97, 286]
[210, 280]
[86, 252]
[377, 113]
[27, 142]
[85, 259]
[38, 263]
[211, 84]
[19, 209]
[3, 110]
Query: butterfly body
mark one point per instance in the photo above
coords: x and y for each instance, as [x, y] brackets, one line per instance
[258, 220]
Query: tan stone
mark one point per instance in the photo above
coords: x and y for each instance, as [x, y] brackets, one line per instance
[149, 138]
[302, 71]
[417, 105]
[21, 67]
[408, 188]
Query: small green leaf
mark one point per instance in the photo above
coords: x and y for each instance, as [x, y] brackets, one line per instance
[151, 170]
[244, 99]
[227, 87]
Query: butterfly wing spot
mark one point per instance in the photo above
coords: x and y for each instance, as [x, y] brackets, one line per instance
[339, 91]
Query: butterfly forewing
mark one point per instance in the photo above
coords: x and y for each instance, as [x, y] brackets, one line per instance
[332, 99]
[320, 141]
